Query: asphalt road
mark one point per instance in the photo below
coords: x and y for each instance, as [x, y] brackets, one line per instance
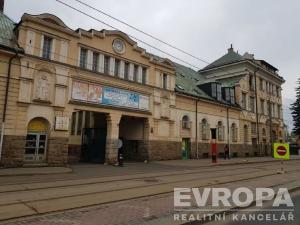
[235, 218]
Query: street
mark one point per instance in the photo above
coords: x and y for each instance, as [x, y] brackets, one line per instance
[135, 194]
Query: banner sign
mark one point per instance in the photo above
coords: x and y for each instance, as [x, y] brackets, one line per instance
[109, 96]
[114, 96]
[80, 91]
[95, 93]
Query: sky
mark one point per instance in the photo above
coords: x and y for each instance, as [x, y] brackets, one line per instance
[269, 29]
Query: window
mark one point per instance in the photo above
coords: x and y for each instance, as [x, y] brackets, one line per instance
[47, 47]
[95, 61]
[251, 83]
[117, 67]
[251, 104]
[79, 124]
[219, 92]
[273, 109]
[186, 122]
[73, 125]
[269, 108]
[244, 101]
[261, 84]
[220, 130]
[126, 71]
[214, 90]
[278, 91]
[135, 72]
[232, 96]
[106, 64]
[83, 58]
[253, 128]
[262, 106]
[263, 132]
[204, 130]
[279, 111]
[165, 81]
[227, 94]
[144, 74]
[234, 132]
[245, 134]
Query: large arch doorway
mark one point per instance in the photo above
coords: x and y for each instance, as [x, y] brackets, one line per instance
[36, 140]
[94, 132]
[132, 132]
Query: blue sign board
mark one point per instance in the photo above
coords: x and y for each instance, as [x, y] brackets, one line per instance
[118, 97]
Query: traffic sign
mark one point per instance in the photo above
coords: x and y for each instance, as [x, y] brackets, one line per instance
[281, 151]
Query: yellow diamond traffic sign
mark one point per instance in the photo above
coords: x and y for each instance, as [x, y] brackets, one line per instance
[281, 151]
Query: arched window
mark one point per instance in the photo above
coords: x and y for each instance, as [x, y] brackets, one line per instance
[186, 124]
[264, 132]
[234, 133]
[245, 134]
[205, 130]
[220, 129]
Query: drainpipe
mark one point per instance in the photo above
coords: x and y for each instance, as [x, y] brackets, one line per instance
[228, 135]
[256, 110]
[5, 101]
[197, 150]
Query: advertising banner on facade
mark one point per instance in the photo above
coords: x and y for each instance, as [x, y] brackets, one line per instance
[80, 91]
[144, 102]
[95, 93]
[118, 97]
[109, 96]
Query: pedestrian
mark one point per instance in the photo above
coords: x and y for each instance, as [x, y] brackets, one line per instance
[226, 152]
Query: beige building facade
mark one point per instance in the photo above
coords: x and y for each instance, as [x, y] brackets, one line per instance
[77, 95]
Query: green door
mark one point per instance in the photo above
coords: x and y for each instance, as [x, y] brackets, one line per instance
[185, 148]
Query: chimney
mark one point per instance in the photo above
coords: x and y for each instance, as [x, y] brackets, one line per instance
[230, 49]
[1, 5]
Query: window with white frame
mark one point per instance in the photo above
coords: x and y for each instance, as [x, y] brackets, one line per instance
[117, 67]
[83, 58]
[135, 73]
[234, 132]
[205, 130]
[144, 75]
[106, 64]
[47, 46]
[126, 71]
[95, 61]
[220, 129]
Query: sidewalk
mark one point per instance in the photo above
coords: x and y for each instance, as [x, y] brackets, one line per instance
[83, 170]
[33, 171]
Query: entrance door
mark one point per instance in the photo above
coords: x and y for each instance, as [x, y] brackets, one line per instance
[93, 145]
[186, 148]
[35, 147]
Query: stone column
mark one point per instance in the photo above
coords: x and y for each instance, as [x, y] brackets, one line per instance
[111, 153]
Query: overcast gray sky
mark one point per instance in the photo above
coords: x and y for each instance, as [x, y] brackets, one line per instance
[270, 29]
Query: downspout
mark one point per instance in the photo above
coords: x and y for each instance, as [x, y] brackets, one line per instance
[197, 150]
[256, 110]
[228, 135]
[5, 101]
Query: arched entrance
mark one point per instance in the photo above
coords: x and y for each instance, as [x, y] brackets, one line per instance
[36, 140]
